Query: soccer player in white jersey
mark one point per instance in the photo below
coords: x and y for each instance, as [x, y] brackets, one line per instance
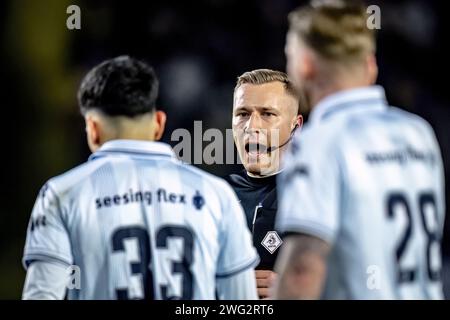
[134, 222]
[362, 193]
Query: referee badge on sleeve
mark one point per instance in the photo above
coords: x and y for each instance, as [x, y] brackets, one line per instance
[272, 241]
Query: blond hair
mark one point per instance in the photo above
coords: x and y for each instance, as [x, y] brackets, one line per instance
[335, 29]
[262, 76]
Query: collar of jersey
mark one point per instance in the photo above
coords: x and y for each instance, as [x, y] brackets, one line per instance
[349, 100]
[133, 148]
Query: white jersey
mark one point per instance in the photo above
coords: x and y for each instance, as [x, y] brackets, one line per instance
[140, 224]
[368, 179]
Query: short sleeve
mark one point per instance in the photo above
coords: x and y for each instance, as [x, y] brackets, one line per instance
[439, 172]
[309, 187]
[47, 237]
[236, 247]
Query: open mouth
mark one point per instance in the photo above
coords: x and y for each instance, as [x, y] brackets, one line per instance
[255, 149]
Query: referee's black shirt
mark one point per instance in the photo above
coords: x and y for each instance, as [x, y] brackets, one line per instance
[258, 197]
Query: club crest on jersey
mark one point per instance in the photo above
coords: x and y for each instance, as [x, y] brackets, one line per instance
[198, 201]
[272, 241]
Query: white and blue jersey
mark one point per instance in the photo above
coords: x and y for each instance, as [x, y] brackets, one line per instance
[140, 224]
[368, 179]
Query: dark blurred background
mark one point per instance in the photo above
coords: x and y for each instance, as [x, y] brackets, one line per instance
[198, 49]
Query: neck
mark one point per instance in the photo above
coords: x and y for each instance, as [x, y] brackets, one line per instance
[128, 135]
[319, 92]
[133, 129]
[135, 136]
[337, 79]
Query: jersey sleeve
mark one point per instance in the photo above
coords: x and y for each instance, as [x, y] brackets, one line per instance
[241, 286]
[47, 237]
[309, 190]
[440, 175]
[45, 281]
[237, 252]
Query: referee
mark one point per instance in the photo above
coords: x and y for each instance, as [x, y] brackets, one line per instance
[265, 117]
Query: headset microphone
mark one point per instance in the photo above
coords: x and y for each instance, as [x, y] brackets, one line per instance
[269, 150]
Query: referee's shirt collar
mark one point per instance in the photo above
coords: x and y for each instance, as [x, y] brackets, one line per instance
[346, 101]
[134, 148]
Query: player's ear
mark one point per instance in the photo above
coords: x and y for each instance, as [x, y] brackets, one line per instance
[307, 64]
[298, 122]
[372, 69]
[92, 132]
[160, 124]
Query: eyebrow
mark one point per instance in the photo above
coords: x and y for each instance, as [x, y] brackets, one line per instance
[259, 108]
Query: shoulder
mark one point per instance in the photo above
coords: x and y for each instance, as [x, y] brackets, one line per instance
[390, 116]
[236, 179]
[422, 133]
[215, 184]
[63, 183]
[392, 120]
[345, 127]
[412, 119]
[316, 140]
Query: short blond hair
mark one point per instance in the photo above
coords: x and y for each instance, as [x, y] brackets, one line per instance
[335, 29]
[262, 76]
